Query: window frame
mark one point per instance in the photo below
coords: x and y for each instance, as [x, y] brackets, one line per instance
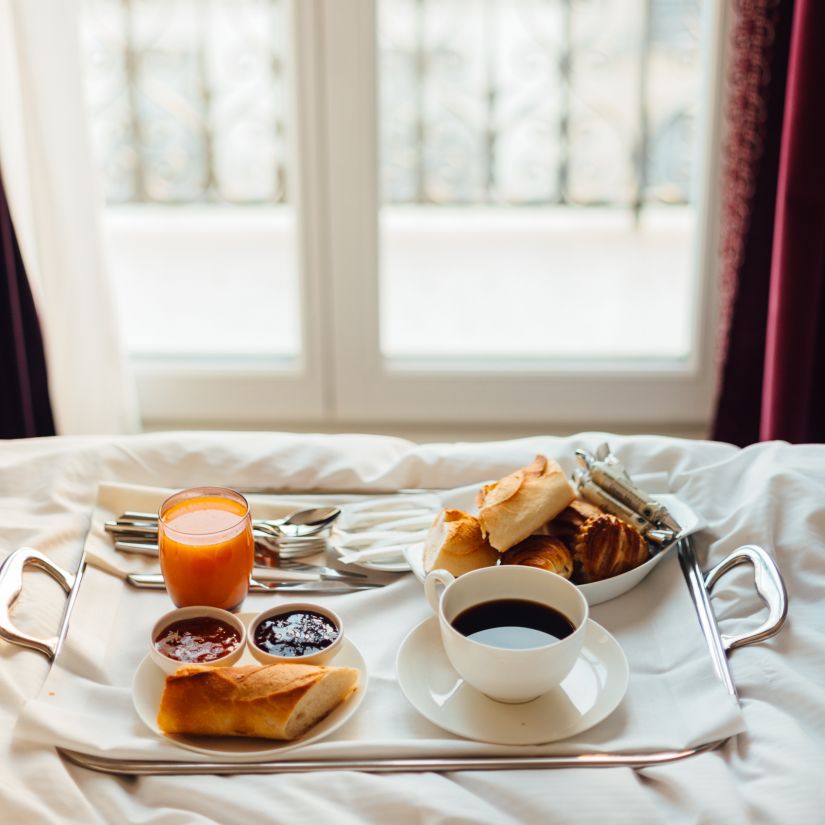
[341, 376]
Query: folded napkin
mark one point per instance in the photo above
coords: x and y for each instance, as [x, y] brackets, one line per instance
[674, 700]
[379, 529]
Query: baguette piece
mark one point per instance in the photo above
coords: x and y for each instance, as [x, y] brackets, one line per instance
[521, 503]
[279, 701]
[455, 543]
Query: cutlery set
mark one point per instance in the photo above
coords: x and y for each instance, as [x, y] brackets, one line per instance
[138, 533]
[279, 543]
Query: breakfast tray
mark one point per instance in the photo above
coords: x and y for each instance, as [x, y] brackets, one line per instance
[768, 583]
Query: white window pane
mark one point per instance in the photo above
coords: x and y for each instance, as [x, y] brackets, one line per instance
[188, 103]
[537, 283]
[214, 280]
[536, 178]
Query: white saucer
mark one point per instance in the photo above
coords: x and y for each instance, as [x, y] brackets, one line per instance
[591, 692]
[147, 688]
[598, 592]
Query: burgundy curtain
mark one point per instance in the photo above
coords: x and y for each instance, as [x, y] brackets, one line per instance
[772, 361]
[25, 410]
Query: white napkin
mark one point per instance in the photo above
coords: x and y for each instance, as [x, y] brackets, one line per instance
[378, 530]
[674, 700]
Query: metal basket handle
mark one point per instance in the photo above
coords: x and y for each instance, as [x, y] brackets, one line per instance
[769, 586]
[11, 584]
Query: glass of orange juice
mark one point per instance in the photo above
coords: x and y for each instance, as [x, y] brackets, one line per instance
[206, 547]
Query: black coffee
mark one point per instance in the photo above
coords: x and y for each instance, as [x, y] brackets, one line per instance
[513, 623]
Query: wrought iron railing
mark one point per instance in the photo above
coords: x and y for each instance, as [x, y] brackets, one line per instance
[512, 102]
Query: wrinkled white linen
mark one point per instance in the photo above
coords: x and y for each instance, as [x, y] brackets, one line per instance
[769, 494]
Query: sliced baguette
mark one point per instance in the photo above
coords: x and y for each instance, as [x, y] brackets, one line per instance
[280, 701]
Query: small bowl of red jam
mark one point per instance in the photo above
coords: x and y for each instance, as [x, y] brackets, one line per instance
[296, 632]
[197, 635]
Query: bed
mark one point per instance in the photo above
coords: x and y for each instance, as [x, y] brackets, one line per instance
[767, 770]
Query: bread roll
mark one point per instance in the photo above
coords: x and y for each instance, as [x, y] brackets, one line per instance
[274, 701]
[455, 543]
[545, 552]
[606, 546]
[520, 504]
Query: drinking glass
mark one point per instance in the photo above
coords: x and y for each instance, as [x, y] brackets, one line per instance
[206, 547]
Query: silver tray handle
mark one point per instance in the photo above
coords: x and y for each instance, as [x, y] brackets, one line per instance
[769, 585]
[11, 584]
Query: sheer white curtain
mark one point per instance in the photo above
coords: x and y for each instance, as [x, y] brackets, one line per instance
[50, 180]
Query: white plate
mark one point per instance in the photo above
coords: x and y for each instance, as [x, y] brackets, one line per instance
[590, 693]
[598, 592]
[147, 688]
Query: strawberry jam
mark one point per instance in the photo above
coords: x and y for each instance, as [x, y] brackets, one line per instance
[197, 640]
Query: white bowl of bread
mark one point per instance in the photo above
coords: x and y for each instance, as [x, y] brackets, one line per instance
[534, 517]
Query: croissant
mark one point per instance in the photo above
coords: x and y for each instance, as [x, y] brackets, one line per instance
[546, 552]
[606, 546]
[568, 522]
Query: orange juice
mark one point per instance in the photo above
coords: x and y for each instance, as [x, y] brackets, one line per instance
[206, 547]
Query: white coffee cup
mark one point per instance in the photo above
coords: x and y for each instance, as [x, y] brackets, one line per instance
[503, 673]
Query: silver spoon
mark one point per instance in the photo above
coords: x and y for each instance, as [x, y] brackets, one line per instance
[305, 522]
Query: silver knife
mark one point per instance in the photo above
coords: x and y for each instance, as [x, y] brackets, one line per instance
[154, 581]
[285, 574]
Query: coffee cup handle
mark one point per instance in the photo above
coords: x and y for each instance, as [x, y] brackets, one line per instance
[431, 583]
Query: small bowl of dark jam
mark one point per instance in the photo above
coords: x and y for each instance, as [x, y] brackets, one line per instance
[197, 635]
[295, 632]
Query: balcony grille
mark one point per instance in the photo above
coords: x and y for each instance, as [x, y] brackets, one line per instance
[482, 102]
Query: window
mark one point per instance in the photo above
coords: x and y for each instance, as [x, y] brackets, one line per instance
[409, 210]
[536, 169]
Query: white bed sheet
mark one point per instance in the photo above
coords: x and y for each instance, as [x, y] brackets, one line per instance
[770, 494]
